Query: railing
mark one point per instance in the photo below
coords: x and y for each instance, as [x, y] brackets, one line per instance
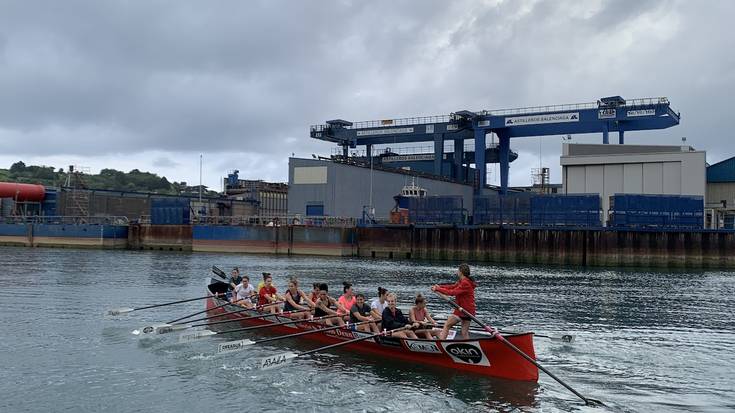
[386, 123]
[66, 220]
[271, 221]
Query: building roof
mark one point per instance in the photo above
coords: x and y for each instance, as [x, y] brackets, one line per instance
[723, 171]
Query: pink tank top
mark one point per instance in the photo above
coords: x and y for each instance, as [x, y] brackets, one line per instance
[419, 314]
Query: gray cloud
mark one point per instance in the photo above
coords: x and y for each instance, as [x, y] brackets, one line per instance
[242, 81]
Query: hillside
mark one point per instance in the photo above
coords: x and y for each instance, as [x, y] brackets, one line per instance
[134, 180]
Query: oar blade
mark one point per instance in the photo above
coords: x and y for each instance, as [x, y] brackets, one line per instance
[163, 328]
[118, 311]
[567, 338]
[195, 335]
[233, 346]
[277, 360]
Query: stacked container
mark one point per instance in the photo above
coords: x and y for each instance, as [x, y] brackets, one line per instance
[170, 211]
[436, 210]
[496, 209]
[581, 210]
[656, 211]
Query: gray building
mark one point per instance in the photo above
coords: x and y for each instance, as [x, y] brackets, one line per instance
[323, 187]
[632, 169]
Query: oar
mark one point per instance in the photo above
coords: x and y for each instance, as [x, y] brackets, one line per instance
[118, 311]
[259, 307]
[283, 358]
[237, 345]
[219, 272]
[565, 338]
[196, 335]
[496, 334]
[204, 311]
[164, 328]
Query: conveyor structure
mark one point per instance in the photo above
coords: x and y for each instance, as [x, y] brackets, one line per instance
[610, 114]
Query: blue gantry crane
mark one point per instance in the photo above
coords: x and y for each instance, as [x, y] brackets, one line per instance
[610, 114]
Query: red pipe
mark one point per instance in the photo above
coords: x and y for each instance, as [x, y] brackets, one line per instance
[22, 192]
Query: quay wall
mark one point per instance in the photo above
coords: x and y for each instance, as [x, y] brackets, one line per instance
[600, 247]
[523, 245]
[290, 240]
[64, 235]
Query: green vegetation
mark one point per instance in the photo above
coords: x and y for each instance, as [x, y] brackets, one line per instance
[134, 180]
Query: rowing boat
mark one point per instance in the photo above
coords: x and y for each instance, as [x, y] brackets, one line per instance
[481, 354]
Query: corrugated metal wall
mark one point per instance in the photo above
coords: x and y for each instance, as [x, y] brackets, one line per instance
[347, 189]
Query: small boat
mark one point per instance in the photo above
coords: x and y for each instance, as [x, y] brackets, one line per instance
[481, 354]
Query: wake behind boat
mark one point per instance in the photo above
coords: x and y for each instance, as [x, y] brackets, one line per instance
[481, 354]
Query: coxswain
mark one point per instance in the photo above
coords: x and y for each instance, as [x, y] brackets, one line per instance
[268, 295]
[393, 318]
[346, 300]
[361, 312]
[296, 300]
[326, 306]
[243, 292]
[420, 314]
[464, 291]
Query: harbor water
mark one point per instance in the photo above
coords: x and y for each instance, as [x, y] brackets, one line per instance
[644, 340]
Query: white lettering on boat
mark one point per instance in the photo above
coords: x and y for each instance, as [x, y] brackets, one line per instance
[422, 346]
[466, 352]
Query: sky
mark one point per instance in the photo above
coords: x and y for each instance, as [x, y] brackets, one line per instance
[153, 85]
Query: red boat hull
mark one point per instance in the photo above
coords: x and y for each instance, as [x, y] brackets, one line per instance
[486, 356]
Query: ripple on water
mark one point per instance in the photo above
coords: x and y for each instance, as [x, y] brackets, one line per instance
[645, 341]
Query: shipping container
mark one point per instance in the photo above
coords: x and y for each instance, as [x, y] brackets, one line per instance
[656, 211]
[578, 210]
[512, 209]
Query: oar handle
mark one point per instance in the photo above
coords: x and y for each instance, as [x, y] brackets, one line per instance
[354, 340]
[318, 330]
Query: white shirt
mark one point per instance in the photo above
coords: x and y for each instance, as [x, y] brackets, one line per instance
[376, 305]
[243, 293]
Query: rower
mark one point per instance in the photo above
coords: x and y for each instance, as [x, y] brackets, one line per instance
[243, 292]
[267, 295]
[324, 306]
[235, 279]
[379, 304]
[296, 300]
[347, 300]
[393, 318]
[262, 283]
[361, 312]
[464, 291]
[420, 314]
[315, 292]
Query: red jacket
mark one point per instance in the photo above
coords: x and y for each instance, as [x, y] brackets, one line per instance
[464, 291]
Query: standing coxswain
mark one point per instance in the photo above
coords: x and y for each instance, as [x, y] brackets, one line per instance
[464, 291]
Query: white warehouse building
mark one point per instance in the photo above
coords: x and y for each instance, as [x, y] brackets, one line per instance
[632, 169]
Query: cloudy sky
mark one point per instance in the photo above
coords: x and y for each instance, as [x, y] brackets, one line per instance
[154, 84]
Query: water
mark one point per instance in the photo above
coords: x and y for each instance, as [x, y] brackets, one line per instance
[645, 340]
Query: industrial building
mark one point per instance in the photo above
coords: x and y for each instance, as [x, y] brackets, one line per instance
[268, 199]
[632, 169]
[326, 187]
[720, 204]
